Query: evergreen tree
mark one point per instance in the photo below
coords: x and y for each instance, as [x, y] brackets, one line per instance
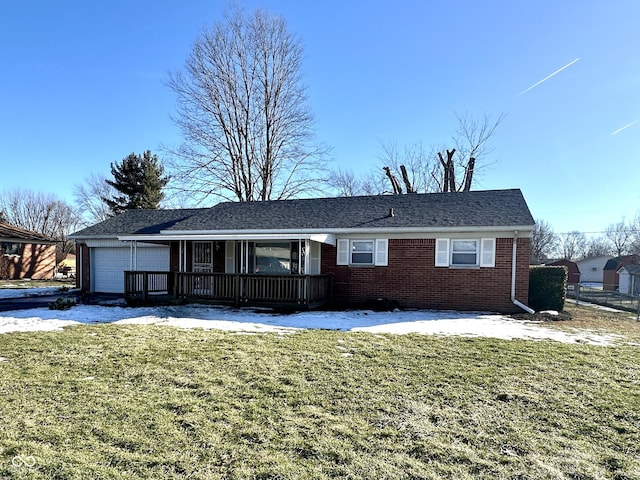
[138, 181]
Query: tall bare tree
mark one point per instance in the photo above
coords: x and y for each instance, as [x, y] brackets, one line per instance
[463, 162]
[543, 242]
[244, 114]
[88, 198]
[441, 170]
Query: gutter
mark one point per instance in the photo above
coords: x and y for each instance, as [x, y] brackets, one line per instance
[513, 277]
[447, 229]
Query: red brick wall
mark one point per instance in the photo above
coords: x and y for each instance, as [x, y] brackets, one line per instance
[83, 267]
[35, 261]
[412, 280]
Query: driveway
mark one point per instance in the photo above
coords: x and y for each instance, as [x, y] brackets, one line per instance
[24, 303]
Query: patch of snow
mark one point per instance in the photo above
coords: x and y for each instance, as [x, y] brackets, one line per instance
[427, 322]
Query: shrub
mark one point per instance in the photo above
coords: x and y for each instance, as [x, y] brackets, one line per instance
[547, 288]
[62, 304]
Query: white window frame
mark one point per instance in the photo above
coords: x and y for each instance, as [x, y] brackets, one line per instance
[379, 253]
[465, 252]
[371, 252]
[485, 253]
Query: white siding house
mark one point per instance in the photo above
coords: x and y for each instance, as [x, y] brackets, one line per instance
[592, 268]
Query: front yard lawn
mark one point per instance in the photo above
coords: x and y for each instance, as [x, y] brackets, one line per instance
[127, 402]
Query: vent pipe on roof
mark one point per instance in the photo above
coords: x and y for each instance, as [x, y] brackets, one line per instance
[391, 213]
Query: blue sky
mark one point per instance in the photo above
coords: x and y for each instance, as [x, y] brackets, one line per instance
[83, 85]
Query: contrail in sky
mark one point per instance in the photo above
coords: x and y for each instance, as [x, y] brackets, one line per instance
[549, 76]
[626, 126]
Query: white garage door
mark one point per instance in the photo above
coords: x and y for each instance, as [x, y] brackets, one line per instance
[109, 263]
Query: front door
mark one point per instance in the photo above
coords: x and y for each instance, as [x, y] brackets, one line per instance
[202, 263]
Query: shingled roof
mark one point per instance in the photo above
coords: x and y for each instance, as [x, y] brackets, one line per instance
[459, 209]
[11, 232]
[492, 208]
[137, 222]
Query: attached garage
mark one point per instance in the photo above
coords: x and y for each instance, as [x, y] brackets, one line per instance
[110, 262]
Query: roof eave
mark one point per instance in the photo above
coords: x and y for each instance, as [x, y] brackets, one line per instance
[169, 235]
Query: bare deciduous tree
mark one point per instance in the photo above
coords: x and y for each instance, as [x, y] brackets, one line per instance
[88, 198]
[573, 245]
[463, 162]
[346, 183]
[620, 236]
[543, 242]
[448, 170]
[413, 164]
[42, 213]
[597, 247]
[244, 114]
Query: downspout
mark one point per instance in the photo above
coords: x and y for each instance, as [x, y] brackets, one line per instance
[513, 276]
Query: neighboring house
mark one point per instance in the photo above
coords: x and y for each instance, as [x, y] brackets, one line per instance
[611, 278]
[25, 254]
[592, 269]
[629, 279]
[466, 250]
[573, 274]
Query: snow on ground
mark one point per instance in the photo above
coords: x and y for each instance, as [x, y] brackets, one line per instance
[473, 324]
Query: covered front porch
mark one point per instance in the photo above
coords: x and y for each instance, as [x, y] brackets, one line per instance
[292, 291]
[280, 272]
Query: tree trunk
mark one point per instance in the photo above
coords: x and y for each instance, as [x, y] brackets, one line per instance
[397, 189]
[468, 175]
[405, 178]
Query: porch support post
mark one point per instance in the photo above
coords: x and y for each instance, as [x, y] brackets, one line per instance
[307, 256]
[301, 270]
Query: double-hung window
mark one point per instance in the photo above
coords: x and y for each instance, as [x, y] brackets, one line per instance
[362, 252]
[464, 252]
[469, 252]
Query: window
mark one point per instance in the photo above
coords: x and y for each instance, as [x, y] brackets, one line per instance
[464, 252]
[362, 252]
[9, 248]
[271, 258]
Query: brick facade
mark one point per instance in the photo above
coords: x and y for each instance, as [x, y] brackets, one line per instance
[412, 280]
[83, 267]
[35, 261]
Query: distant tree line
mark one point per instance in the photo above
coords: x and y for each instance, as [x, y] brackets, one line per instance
[621, 238]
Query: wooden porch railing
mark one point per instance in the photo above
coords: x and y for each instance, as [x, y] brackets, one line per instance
[230, 288]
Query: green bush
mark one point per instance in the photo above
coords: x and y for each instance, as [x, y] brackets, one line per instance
[547, 288]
